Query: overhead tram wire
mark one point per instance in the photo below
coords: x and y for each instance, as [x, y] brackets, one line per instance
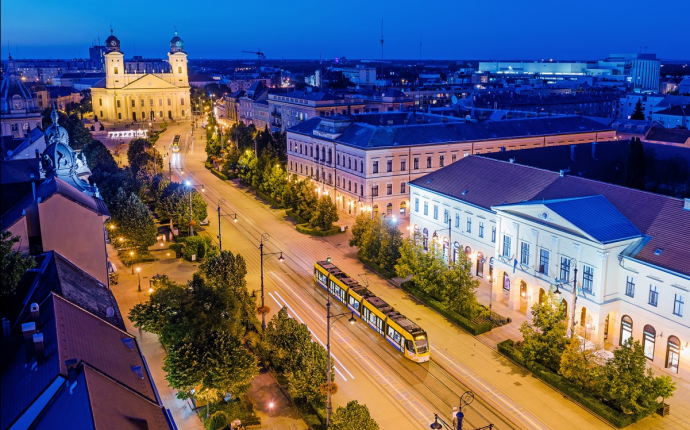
[305, 282]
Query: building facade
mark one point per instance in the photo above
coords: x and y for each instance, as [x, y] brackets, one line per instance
[132, 97]
[299, 106]
[19, 108]
[527, 230]
[364, 165]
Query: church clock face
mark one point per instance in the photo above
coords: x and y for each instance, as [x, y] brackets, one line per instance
[17, 105]
[112, 43]
[178, 43]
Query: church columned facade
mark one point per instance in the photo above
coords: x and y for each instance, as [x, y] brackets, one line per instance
[142, 97]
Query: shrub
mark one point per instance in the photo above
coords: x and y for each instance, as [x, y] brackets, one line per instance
[466, 324]
[373, 266]
[195, 245]
[177, 248]
[217, 421]
[307, 229]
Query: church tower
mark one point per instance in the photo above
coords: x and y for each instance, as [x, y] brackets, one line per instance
[178, 62]
[114, 63]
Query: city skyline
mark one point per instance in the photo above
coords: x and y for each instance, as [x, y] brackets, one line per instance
[569, 36]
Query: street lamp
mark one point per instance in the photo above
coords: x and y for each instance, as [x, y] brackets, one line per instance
[131, 258]
[265, 238]
[220, 239]
[558, 293]
[439, 424]
[351, 320]
[139, 276]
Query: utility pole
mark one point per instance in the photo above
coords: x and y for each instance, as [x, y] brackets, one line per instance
[329, 406]
[220, 239]
[572, 329]
[191, 227]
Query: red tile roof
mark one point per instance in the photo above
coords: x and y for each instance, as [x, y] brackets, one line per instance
[487, 182]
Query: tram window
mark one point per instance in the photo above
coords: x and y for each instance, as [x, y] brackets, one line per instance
[409, 345]
[353, 302]
[394, 335]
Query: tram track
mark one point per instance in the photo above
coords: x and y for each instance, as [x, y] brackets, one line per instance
[433, 383]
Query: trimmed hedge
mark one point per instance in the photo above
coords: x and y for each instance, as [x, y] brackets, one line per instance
[473, 328]
[306, 229]
[216, 172]
[594, 405]
[373, 266]
[297, 218]
[273, 202]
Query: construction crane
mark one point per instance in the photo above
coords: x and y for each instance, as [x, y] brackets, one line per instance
[260, 55]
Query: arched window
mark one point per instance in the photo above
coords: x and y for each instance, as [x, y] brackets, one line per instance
[523, 289]
[673, 353]
[541, 295]
[480, 264]
[648, 339]
[376, 209]
[317, 151]
[626, 328]
[425, 238]
[506, 281]
[403, 208]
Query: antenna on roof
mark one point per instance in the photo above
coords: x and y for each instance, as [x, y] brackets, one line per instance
[381, 39]
[420, 46]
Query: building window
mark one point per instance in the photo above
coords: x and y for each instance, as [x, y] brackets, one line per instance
[134, 104]
[349, 185]
[349, 163]
[428, 162]
[361, 166]
[565, 270]
[493, 234]
[626, 329]
[435, 211]
[648, 339]
[375, 168]
[678, 303]
[524, 253]
[481, 228]
[142, 101]
[389, 165]
[160, 103]
[100, 102]
[672, 353]
[415, 166]
[179, 70]
[446, 216]
[469, 225]
[116, 70]
[653, 295]
[403, 187]
[453, 158]
[416, 204]
[389, 189]
[119, 115]
[506, 246]
[337, 159]
[169, 102]
[375, 191]
[630, 287]
[442, 160]
[544, 261]
[457, 220]
[403, 165]
[181, 102]
[426, 208]
[151, 102]
[118, 103]
[588, 279]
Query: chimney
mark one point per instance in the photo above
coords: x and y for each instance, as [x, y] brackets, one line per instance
[38, 345]
[34, 311]
[594, 150]
[572, 152]
[686, 204]
[71, 366]
[28, 330]
[563, 172]
[511, 160]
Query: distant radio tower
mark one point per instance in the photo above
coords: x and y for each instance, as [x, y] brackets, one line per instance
[381, 39]
[420, 46]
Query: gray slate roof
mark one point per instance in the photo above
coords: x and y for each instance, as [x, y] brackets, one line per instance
[365, 135]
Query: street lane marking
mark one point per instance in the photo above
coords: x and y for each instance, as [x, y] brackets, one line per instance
[488, 388]
[312, 333]
[386, 379]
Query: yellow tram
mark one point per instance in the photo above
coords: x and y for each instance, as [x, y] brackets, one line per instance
[176, 143]
[406, 336]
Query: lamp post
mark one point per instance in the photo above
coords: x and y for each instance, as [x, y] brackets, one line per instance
[220, 239]
[558, 292]
[139, 277]
[191, 227]
[351, 320]
[439, 424]
[131, 258]
[265, 237]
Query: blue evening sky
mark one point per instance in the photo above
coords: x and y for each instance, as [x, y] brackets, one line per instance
[488, 29]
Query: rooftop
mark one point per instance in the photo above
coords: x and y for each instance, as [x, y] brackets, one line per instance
[485, 182]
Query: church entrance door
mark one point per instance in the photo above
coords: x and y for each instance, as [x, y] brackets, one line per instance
[169, 114]
[134, 116]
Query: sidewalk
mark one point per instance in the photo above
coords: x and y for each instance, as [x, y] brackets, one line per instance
[271, 406]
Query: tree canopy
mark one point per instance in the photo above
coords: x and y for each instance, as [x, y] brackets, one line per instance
[14, 264]
[353, 417]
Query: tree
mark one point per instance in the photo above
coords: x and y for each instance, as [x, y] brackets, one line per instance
[14, 264]
[158, 185]
[174, 205]
[97, 155]
[325, 214]
[581, 365]
[378, 238]
[109, 183]
[635, 165]
[165, 313]
[353, 417]
[545, 336]
[629, 385]
[460, 288]
[427, 268]
[305, 381]
[133, 220]
[284, 340]
[212, 364]
[638, 113]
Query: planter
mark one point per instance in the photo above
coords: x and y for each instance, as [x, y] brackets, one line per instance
[664, 410]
